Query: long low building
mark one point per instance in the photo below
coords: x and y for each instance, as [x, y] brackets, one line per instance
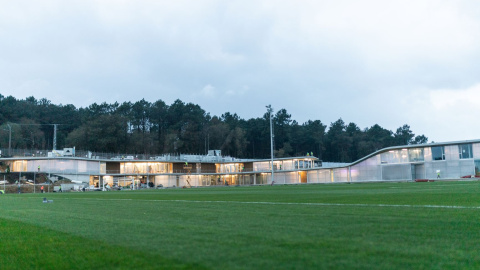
[451, 160]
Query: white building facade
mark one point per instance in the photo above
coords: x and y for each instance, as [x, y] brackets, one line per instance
[452, 160]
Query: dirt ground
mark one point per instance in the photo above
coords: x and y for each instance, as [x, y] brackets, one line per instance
[25, 188]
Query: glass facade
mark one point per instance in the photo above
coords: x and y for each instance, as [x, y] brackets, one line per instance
[451, 169]
[236, 167]
[438, 153]
[262, 166]
[367, 170]
[465, 151]
[67, 166]
[288, 178]
[394, 156]
[449, 161]
[416, 154]
[476, 150]
[340, 175]
[451, 152]
[144, 167]
[319, 176]
[397, 172]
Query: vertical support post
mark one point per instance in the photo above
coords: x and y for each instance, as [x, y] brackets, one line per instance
[49, 165]
[20, 178]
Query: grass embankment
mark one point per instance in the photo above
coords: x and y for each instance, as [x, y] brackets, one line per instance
[313, 226]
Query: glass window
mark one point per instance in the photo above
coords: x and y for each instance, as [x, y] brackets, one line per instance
[438, 153]
[103, 167]
[465, 150]
[416, 154]
[394, 156]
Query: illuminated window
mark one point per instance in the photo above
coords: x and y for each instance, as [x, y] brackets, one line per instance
[415, 154]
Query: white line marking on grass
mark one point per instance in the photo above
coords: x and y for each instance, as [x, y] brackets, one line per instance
[287, 203]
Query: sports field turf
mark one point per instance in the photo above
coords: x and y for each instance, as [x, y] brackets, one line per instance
[335, 226]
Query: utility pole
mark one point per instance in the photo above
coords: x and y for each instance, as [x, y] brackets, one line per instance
[270, 110]
[33, 138]
[9, 140]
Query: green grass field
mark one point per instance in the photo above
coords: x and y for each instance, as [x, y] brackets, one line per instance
[336, 226]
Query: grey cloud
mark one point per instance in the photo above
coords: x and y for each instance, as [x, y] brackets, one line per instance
[362, 61]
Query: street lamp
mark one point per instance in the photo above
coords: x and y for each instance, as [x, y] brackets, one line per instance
[270, 110]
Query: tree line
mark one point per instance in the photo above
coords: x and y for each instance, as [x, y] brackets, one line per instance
[144, 127]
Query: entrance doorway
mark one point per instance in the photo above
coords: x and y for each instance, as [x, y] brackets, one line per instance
[303, 177]
[418, 171]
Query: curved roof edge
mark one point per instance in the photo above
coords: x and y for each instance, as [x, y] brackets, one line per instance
[409, 146]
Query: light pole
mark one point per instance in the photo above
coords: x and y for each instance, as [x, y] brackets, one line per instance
[270, 110]
[9, 140]
[55, 136]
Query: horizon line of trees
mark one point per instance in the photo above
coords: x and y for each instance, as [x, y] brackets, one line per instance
[144, 127]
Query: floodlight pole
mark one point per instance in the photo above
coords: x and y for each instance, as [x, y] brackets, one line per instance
[9, 140]
[54, 136]
[270, 110]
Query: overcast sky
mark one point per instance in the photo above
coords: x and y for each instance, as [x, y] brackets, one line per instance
[368, 62]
